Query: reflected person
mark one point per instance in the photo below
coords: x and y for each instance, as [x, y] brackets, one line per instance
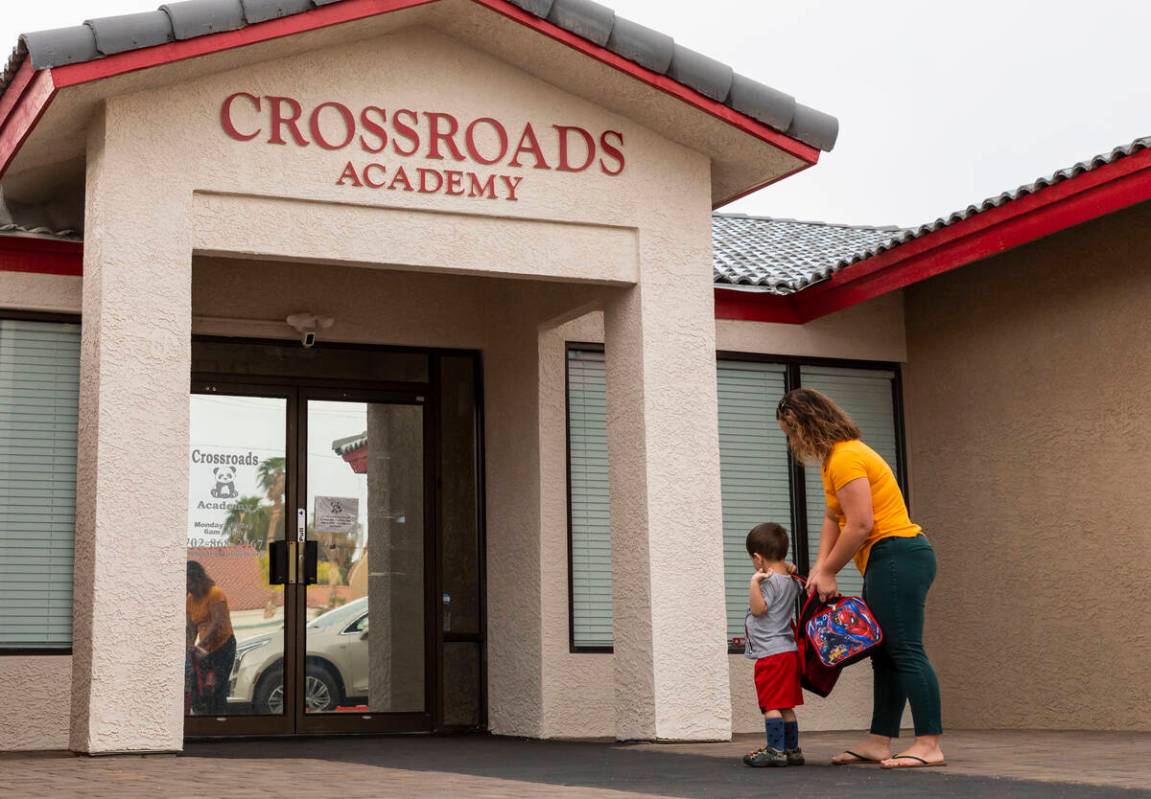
[211, 643]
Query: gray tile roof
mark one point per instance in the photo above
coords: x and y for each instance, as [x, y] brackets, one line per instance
[11, 229]
[105, 36]
[910, 234]
[783, 256]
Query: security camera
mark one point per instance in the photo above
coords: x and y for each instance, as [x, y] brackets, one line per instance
[306, 324]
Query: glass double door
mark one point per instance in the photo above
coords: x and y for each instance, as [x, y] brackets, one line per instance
[310, 605]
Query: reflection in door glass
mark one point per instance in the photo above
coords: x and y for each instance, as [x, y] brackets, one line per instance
[365, 501]
[233, 662]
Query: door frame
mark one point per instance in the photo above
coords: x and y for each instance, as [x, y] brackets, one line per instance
[362, 723]
[294, 389]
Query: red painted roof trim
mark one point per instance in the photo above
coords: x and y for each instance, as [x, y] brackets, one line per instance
[754, 306]
[22, 107]
[15, 90]
[28, 108]
[41, 256]
[24, 113]
[322, 17]
[794, 147]
[1080, 199]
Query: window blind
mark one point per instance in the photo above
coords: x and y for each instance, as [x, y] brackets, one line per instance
[753, 470]
[588, 499]
[39, 392]
[868, 397]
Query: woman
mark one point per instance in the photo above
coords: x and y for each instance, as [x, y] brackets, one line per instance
[211, 644]
[867, 521]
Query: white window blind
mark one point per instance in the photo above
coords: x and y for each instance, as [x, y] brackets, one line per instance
[39, 390]
[868, 397]
[753, 470]
[589, 500]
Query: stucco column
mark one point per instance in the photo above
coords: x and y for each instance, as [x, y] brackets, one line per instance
[132, 470]
[513, 526]
[671, 670]
[396, 558]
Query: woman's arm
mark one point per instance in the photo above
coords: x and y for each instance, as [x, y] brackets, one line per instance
[217, 620]
[855, 501]
[828, 535]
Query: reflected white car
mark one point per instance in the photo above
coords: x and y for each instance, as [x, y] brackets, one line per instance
[336, 663]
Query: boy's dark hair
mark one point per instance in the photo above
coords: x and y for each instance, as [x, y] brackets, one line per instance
[769, 540]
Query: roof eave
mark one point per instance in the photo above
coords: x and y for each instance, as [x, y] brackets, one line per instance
[1052, 208]
[808, 130]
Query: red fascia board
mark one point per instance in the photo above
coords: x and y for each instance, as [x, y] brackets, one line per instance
[754, 306]
[25, 104]
[23, 115]
[794, 147]
[41, 256]
[15, 89]
[134, 60]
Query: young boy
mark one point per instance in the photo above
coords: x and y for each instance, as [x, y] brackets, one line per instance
[771, 644]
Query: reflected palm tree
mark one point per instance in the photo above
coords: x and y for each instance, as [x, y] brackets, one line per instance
[248, 521]
[271, 476]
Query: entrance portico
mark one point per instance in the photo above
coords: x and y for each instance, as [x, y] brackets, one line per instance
[541, 181]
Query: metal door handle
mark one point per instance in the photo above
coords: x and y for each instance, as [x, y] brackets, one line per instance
[278, 563]
[311, 562]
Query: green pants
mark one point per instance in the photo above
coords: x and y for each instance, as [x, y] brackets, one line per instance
[899, 573]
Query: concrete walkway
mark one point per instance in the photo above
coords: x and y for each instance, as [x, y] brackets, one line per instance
[1002, 764]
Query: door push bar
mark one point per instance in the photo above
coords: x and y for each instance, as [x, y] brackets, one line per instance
[284, 557]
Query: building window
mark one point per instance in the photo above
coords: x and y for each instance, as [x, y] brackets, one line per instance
[755, 471]
[760, 479]
[868, 396]
[589, 524]
[39, 392]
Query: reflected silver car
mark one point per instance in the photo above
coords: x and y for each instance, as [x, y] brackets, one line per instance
[336, 664]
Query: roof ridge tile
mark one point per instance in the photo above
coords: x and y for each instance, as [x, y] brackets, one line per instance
[189, 19]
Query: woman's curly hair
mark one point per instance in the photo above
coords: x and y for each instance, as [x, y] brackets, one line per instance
[814, 423]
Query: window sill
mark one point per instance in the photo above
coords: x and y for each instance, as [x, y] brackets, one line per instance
[27, 651]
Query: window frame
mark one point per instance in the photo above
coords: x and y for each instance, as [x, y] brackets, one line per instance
[793, 365]
[796, 476]
[573, 647]
[45, 651]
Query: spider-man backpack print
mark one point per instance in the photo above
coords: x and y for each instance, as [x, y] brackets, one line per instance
[842, 632]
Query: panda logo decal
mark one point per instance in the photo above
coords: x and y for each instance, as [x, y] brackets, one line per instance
[225, 479]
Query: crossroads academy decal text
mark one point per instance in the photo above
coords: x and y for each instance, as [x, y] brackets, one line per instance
[382, 138]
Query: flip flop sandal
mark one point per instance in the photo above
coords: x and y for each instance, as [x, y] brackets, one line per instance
[859, 759]
[919, 762]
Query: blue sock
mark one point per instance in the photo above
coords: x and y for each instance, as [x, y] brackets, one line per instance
[791, 735]
[774, 733]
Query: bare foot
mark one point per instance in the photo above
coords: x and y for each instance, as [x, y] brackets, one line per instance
[924, 752]
[873, 750]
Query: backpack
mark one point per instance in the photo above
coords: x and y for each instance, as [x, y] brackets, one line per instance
[832, 635]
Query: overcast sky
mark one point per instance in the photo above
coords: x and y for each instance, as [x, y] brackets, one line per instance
[940, 104]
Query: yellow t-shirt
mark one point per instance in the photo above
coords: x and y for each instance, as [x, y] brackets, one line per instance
[851, 460]
[199, 614]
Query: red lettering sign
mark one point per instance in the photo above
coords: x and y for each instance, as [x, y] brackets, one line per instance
[430, 135]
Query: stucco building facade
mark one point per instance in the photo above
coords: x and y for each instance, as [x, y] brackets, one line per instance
[549, 397]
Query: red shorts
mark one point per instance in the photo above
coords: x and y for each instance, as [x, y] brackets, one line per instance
[777, 682]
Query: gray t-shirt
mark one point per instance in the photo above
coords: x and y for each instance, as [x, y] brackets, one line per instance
[770, 634]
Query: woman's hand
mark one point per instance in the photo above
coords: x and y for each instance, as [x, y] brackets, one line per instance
[822, 583]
